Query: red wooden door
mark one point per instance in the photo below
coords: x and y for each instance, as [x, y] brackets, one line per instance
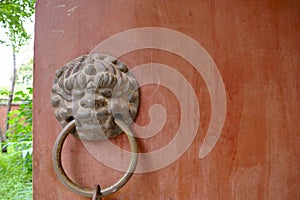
[241, 60]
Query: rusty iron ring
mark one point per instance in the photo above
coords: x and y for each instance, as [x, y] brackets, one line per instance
[61, 174]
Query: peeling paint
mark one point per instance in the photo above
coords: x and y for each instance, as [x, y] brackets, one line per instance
[58, 31]
[72, 9]
[61, 6]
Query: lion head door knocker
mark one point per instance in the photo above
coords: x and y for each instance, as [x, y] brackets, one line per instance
[95, 98]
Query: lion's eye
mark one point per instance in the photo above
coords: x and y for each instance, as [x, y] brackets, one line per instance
[100, 103]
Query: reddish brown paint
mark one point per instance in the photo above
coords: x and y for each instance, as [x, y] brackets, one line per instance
[255, 45]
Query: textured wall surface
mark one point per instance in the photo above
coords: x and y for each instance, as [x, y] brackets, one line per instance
[256, 47]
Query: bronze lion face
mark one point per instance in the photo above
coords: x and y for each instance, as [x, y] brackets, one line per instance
[91, 89]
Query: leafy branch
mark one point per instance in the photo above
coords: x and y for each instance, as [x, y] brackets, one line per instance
[13, 14]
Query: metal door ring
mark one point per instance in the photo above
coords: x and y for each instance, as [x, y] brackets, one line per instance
[58, 168]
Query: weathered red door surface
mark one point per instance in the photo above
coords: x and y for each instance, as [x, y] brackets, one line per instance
[240, 58]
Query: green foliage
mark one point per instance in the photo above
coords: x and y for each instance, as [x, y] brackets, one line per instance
[4, 93]
[20, 128]
[15, 182]
[4, 96]
[16, 165]
[23, 81]
[13, 14]
[24, 76]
